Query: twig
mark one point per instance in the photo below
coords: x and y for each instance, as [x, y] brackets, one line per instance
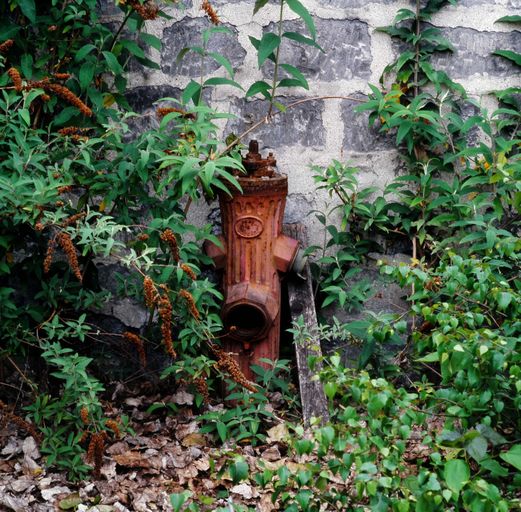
[266, 119]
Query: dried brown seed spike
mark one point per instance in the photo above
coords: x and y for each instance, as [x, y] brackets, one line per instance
[69, 96]
[165, 313]
[62, 76]
[207, 7]
[227, 364]
[65, 242]
[188, 271]
[168, 236]
[73, 219]
[202, 388]
[16, 78]
[148, 10]
[138, 342]
[6, 45]
[150, 292]
[84, 415]
[47, 262]
[114, 426]
[190, 302]
[163, 111]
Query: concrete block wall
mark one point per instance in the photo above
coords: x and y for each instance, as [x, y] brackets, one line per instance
[317, 132]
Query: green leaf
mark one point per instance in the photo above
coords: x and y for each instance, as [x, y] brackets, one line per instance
[267, 44]
[295, 36]
[404, 14]
[296, 74]
[513, 456]
[289, 82]
[132, 47]
[507, 54]
[477, 448]
[177, 500]
[191, 92]
[151, 40]
[456, 474]
[299, 9]
[26, 64]
[28, 8]
[239, 471]
[223, 61]
[113, 63]
[257, 87]
[504, 299]
[509, 19]
[83, 52]
[86, 74]
[221, 81]
[259, 4]
[222, 431]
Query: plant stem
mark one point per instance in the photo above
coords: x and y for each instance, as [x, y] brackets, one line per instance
[417, 49]
[276, 70]
[118, 32]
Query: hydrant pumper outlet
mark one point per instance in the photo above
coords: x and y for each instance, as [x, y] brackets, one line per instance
[254, 251]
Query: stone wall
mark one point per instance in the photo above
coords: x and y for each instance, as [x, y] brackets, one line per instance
[355, 55]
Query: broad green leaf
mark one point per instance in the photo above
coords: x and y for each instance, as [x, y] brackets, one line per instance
[299, 9]
[259, 4]
[295, 36]
[290, 82]
[223, 61]
[222, 431]
[191, 92]
[28, 7]
[257, 87]
[26, 64]
[456, 474]
[86, 74]
[239, 471]
[151, 40]
[513, 456]
[510, 19]
[268, 43]
[83, 52]
[295, 73]
[510, 55]
[221, 81]
[132, 47]
[113, 63]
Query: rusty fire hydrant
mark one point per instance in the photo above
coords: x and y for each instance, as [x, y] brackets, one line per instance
[253, 252]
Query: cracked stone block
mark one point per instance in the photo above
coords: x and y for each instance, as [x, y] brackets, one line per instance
[358, 135]
[188, 32]
[141, 100]
[347, 50]
[473, 52]
[386, 298]
[108, 8]
[298, 207]
[299, 125]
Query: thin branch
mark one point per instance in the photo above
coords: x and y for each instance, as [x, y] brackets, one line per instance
[266, 119]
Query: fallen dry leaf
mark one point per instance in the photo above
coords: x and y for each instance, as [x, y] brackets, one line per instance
[277, 433]
[194, 439]
[133, 459]
[245, 490]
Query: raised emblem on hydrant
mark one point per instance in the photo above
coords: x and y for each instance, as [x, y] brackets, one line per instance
[253, 254]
